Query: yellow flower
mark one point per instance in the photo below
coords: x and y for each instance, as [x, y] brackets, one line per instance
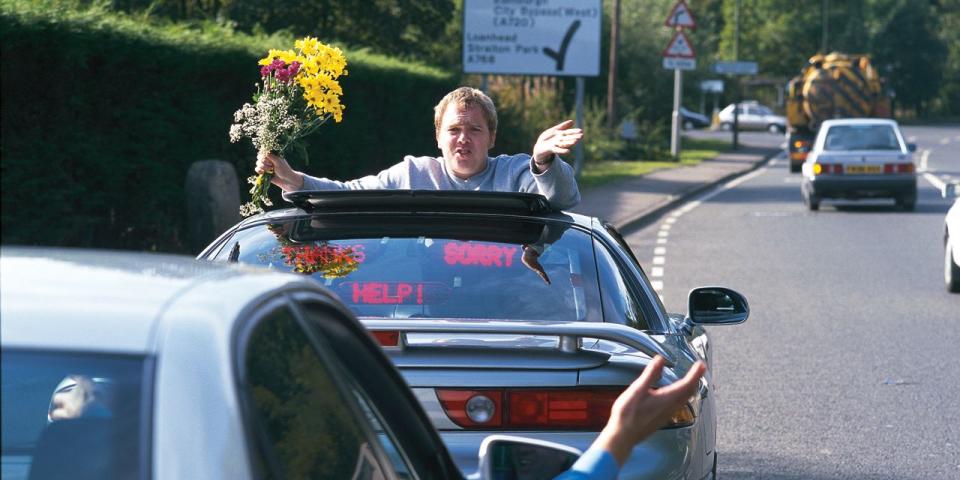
[287, 56]
[308, 46]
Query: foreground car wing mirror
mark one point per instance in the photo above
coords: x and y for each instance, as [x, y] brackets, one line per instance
[716, 306]
[506, 456]
[911, 147]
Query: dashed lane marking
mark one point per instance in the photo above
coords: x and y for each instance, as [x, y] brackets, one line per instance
[660, 252]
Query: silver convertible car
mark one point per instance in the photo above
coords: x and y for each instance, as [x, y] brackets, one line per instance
[503, 315]
[137, 366]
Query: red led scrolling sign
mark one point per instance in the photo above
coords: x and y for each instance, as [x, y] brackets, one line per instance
[393, 293]
[479, 254]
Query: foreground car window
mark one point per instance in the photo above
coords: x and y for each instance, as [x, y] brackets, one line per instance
[310, 427]
[861, 137]
[385, 268]
[72, 415]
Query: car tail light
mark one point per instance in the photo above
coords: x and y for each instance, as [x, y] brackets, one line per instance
[683, 417]
[539, 409]
[457, 402]
[387, 338]
[801, 145]
[905, 168]
[827, 168]
[560, 409]
[888, 168]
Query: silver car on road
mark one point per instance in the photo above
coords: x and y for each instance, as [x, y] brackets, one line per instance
[503, 315]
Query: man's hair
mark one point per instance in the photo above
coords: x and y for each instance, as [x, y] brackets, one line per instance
[464, 97]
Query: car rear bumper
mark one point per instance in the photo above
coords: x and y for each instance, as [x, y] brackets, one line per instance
[667, 454]
[866, 186]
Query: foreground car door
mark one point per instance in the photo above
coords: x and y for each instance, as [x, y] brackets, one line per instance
[320, 401]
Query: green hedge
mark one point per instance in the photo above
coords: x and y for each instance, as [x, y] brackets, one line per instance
[103, 115]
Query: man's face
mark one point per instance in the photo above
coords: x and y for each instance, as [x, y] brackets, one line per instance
[464, 139]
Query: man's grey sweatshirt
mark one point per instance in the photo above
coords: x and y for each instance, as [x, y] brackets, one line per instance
[505, 173]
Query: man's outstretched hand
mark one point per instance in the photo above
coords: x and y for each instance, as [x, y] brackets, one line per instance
[556, 140]
[531, 260]
[284, 177]
[640, 410]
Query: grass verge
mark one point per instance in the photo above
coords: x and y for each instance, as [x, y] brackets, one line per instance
[693, 151]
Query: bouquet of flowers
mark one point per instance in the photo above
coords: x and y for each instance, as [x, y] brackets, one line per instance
[298, 92]
[330, 260]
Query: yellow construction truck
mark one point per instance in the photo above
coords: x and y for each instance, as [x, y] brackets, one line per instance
[830, 86]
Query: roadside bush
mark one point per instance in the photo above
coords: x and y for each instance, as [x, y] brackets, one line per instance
[103, 114]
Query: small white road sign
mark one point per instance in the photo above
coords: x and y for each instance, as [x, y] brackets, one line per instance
[681, 16]
[735, 68]
[678, 63]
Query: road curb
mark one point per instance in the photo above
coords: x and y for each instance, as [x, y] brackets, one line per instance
[651, 214]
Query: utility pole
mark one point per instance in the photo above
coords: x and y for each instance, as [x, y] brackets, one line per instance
[824, 24]
[612, 74]
[736, 58]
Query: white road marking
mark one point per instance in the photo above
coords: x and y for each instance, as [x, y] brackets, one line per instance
[660, 252]
[924, 158]
[934, 180]
[944, 140]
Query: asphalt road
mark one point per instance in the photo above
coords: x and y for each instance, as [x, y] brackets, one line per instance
[849, 366]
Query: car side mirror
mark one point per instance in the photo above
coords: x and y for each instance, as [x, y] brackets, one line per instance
[911, 147]
[506, 456]
[716, 306]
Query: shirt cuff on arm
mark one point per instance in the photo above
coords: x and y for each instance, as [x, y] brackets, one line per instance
[595, 464]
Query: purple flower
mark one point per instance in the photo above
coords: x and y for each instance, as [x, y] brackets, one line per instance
[265, 71]
[277, 64]
[282, 75]
[293, 68]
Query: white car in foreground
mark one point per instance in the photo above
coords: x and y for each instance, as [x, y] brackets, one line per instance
[138, 366]
[951, 240]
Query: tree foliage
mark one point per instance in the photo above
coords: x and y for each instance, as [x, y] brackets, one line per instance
[905, 38]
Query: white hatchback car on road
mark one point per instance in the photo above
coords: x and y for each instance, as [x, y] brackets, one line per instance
[752, 116]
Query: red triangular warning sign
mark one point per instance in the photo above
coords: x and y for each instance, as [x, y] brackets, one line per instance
[679, 46]
[681, 16]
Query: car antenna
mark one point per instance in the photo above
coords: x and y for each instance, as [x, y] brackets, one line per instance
[234, 253]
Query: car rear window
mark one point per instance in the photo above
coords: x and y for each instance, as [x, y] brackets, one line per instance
[72, 415]
[861, 137]
[386, 267]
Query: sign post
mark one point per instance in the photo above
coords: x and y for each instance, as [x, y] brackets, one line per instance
[679, 56]
[736, 68]
[546, 37]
